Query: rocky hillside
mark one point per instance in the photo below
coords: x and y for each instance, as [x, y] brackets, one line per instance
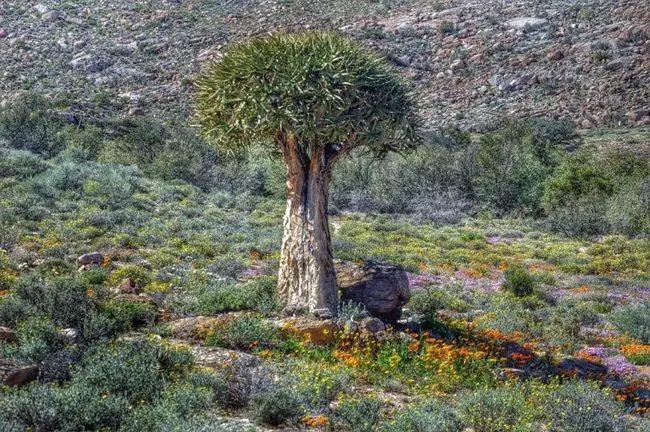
[472, 61]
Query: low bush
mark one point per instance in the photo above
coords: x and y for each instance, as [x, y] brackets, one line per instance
[136, 370]
[127, 314]
[429, 417]
[257, 294]
[579, 406]
[140, 276]
[70, 408]
[276, 407]
[359, 414]
[633, 320]
[519, 281]
[244, 332]
[492, 410]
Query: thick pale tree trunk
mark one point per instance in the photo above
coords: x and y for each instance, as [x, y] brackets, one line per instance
[307, 282]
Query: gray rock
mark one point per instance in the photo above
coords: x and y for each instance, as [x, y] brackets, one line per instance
[41, 8]
[3, 33]
[382, 288]
[71, 335]
[90, 258]
[91, 63]
[457, 65]
[373, 325]
[50, 16]
[617, 64]
[498, 81]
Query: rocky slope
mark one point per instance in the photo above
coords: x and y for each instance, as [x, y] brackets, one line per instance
[473, 62]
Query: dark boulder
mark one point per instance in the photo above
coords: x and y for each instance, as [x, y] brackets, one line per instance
[382, 288]
[15, 373]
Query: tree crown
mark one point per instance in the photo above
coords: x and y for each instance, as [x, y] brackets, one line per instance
[317, 88]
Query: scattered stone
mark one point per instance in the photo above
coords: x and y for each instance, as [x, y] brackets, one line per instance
[457, 65]
[74, 20]
[476, 59]
[91, 63]
[498, 81]
[15, 373]
[640, 115]
[617, 64]
[3, 33]
[373, 325]
[527, 23]
[128, 286]
[381, 288]
[194, 328]
[41, 8]
[7, 335]
[556, 55]
[218, 357]
[50, 16]
[90, 258]
[71, 335]
[135, 111]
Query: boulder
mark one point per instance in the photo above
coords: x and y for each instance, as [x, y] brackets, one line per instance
[381, 288]
[318, 332]
[639, 115]
[90, 258]
[220, 357]
[15, 373]
[128, 286]
[7, 335]
[582, 368]
[194, 327]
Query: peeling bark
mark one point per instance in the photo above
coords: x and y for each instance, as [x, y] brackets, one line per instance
[307, 281]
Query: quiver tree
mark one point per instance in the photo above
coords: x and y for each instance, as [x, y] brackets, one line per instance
[310, 97]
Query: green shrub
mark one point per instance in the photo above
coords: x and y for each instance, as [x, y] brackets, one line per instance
[507, 314]
[29, 123]
[94, 276]
[257, 294]
[510, 172]
[575, 195]
[519, 281]
[39, 339]
[492, 410]
[276, 407]
[244, 332]
[628, 210]
[20, 164]
[69, 408]
[136, 370]
[359, 414]
[64, 299]
[88, 139]
[430, 417]
[634, 320]
[127, 314]
[160, 151]
[553, 138]
[138, 275]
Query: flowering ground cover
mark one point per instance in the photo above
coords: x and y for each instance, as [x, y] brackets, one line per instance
[509, 327]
